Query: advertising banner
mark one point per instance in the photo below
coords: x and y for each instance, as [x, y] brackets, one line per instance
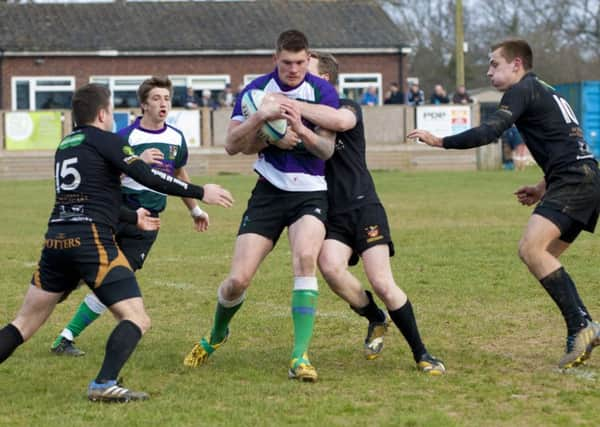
[188, 122]
[32, 130]
[444, 120]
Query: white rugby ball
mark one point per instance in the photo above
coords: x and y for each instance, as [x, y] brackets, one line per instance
[271, 131]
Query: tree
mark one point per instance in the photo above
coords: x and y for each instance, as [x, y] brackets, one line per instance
[566, 45]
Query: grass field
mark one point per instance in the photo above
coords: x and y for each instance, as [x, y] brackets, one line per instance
[478, 308]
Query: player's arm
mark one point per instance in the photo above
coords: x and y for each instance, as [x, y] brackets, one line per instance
[201, 219]
[320, 143]
[530, 194]
[512, 105]
[339, 120]
[119, 153]
[487, 132]
[140, 218]
[242, 135]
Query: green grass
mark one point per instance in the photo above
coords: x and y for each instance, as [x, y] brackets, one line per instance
[478, 309]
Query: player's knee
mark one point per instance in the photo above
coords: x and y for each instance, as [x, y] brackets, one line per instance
[238, 283]
[305, 261]
[386, 290]
[143, 322]
[330, 269]
[525, 252]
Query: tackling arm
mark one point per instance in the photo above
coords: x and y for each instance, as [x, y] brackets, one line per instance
[327, 117]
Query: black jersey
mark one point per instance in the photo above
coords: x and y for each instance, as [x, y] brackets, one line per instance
[349, 183]
[88, 165]
[544, 119]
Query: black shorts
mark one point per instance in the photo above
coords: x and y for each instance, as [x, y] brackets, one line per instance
[135, 243]
[270, 209]
[85, 252]
[572, 200]
[361, 229]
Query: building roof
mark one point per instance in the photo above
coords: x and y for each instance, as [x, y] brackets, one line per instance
[193, 27]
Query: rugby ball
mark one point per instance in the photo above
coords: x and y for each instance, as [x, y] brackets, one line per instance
[271, 131]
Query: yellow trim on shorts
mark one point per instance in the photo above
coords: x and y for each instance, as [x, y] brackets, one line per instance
[104, 266]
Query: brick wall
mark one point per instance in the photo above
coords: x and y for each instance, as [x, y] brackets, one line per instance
[235, 66]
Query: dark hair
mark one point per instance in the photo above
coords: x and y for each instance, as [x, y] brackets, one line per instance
[149, 84]
[327, 65]
[87, 101]
[516, 48]
[292, 41]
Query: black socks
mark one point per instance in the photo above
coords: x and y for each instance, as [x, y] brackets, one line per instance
[370, 311]
[10, 339]
[121, 343]
[561, 288]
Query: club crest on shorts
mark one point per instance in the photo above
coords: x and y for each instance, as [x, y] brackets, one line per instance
[373, 233]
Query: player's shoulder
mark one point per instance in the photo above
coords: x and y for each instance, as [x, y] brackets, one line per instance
[126, 131]
[175, 130]
[316, 80]
[260, 82]
[95, 135]
[527, 83]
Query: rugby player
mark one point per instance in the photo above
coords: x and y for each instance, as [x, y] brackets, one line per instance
[568, 194]
[290, 192]
[80, 245]
[357, 225]
[165, 148]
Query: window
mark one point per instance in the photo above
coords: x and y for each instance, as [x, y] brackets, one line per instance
[42, 93]
[215, 83]
[124, 88]
[354, 86]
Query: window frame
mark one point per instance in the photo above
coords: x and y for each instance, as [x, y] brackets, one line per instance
[377, 82]
[35, 87]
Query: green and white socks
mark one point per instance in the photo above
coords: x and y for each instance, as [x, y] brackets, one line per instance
[304, 306]
[223, 314]
[90, 309]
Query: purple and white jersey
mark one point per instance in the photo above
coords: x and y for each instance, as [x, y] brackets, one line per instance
[291, 170]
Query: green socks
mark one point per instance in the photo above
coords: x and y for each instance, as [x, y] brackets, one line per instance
[81, 320]
[304, 304]
[223, 314]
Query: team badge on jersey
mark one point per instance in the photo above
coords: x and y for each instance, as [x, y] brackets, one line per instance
[72, 140]
[172, 152]
[127, 150]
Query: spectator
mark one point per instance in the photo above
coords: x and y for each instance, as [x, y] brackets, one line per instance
[227, 98]
[511, 143]
[461, 96]
[191, 100]
[439, 95]
[416, 96]
[370, 97]
[207, 100]
[394, 96]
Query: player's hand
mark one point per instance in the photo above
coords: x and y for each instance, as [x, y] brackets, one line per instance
[214, 194]
[426, 137]
[152, 156]
[289, 140]
[291, 113]
[529, 194]
[201, 222]
[145, 221]
[270, 108]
